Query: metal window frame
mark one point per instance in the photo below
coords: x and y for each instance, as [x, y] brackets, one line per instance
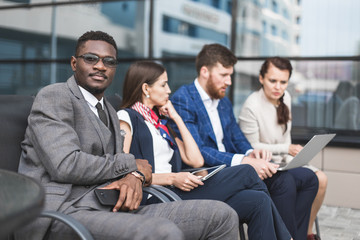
[345, 138]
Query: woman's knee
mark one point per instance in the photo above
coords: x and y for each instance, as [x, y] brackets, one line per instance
[311, 177]
[323, 180]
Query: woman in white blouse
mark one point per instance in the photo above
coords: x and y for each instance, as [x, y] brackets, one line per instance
[265, 120]
[146, 108]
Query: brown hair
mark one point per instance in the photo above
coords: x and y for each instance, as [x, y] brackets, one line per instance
[139, 73]
[283, 112]
[211, 54]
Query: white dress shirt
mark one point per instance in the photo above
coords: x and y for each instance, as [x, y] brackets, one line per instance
[211, 108]
[91, 100]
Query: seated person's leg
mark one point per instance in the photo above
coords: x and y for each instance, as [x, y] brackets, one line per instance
[225, 183]
[282, 190]
[318, 199]
[245, 192]
[108, 225]
[257, 210]
[307, 187]
[175, 220]
[198, 219]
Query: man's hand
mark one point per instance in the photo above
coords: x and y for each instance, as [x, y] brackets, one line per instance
[130, 195]
[263, 168]
[261, 154]
[145, 168]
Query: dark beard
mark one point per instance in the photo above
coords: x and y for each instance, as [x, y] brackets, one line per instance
[213, 92]
[95, 91]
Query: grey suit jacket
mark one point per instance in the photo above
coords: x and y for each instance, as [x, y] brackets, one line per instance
[66, 147]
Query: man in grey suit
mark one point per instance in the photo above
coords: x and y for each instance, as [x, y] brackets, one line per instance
[72, 147]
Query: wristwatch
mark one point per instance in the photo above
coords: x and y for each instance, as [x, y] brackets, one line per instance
[139, 175]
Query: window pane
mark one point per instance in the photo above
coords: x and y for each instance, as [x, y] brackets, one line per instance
[330, 28]
[325, 94]
[180, 73]
[326, 28]
[181, 27]
[26, 34]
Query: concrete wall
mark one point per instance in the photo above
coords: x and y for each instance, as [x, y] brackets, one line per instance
[342, 166]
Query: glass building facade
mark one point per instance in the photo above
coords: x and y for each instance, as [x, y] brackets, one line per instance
[38, 37]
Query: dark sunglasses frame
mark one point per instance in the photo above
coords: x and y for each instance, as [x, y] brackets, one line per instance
[93, 59]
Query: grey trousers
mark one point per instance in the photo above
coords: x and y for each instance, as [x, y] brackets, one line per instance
[191, 219]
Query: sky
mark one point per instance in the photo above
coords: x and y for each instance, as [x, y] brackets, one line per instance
[330, 28]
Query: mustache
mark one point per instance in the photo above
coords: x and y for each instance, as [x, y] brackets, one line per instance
[98, 74]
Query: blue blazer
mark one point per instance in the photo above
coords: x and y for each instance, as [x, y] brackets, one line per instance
[188, 104]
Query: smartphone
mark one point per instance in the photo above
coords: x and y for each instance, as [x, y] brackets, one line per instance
[107, 197]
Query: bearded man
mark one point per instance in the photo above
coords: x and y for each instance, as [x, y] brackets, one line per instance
[208, 114]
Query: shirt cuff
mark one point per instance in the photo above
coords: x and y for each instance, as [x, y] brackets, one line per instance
[237, 159]
[249, 151]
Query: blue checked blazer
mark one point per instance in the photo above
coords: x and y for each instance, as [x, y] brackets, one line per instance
[188, 104]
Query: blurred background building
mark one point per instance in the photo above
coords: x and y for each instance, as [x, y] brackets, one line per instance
[321, 38]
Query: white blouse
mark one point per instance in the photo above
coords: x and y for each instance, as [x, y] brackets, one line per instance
[162, 150]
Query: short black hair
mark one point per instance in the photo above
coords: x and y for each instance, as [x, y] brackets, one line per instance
[95, 35]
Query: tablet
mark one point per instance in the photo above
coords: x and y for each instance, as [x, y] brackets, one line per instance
[206, 173]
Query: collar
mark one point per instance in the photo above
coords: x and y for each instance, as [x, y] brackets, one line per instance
[91, 99]
[160, 124]
[145, 111]
[208, 102]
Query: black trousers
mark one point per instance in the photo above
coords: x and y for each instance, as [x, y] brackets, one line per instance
[293, 193]
[246, 193]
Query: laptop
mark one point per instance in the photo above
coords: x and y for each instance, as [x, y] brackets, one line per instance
[313, 147]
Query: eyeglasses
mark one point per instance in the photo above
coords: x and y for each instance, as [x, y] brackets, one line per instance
[93, 59]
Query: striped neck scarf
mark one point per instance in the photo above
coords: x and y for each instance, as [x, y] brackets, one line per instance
[150, 116]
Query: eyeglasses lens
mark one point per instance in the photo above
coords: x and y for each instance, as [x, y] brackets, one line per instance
[93, 59]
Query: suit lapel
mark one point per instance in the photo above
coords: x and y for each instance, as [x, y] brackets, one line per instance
[202, 113]
[114, 122]
[90, 115]
[226, 118]
[223, 117]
